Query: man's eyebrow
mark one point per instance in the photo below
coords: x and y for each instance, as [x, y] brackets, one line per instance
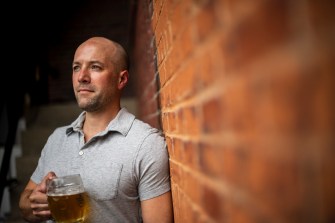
[90, 62]
[95, 61]
[75, 62]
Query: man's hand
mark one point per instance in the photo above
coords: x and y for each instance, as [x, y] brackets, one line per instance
[33, 201]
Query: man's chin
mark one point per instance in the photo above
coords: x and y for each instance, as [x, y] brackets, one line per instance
[88, 107]
[83, 106]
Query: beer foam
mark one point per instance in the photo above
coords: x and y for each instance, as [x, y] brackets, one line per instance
[66, 190]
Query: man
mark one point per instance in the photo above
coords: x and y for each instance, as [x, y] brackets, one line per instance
[123, 161]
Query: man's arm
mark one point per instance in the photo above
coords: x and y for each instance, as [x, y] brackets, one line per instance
[33, 201]
[158, 209]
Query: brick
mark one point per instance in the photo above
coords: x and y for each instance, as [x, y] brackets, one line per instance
[212, 203]
[236, 162]
[157, 7]
[321, 16]
[208, 70]
[184, 208]
[327, 182]
[175, 173]
[176, 202]
[165, 124]
[187, 210]
[323, 105]
[191, 155]
[204, 71]
[242, 214]
[276, 184]
[157, 11]
[284, 100]
[192, 187]
[241, 9]
[182, 183]
[186, 42]
[179, 120]
[173, 60]
[161, 51]
[163, 31]
[191, 122]
[253, 35]
[178, 149]
[236, 106]
[173, 125]
[180, 17]
[206, 20]
[212, 114]
[211, 159]
[164, 97]
[163, 77]
[169, 144]
[184, 77]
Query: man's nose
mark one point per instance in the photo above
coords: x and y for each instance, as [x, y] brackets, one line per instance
[84, 75]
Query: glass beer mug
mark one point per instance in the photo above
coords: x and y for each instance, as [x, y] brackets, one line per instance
[67, 199]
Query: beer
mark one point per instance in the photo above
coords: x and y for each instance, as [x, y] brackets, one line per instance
[67, 199]
[68, 208]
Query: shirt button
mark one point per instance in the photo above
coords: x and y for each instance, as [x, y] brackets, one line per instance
[81, 152]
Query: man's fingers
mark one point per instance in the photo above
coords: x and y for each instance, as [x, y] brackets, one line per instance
[43, 184]
[44, 214]
[51, 175]
[39, 207]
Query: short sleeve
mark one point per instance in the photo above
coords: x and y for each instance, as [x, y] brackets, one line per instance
[38, 174]
[152, 167]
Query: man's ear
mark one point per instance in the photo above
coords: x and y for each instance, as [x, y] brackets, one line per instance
[123, 79]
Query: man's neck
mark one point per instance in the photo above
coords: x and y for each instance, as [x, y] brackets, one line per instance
[96, 122]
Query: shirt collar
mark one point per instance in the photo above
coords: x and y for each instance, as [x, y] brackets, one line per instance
[121, 123]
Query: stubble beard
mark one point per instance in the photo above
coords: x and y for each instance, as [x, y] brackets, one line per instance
[89, 104]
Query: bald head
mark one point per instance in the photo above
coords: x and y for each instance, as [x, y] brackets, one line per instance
[116, 53]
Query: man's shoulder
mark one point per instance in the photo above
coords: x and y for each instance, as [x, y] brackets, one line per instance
[144, 128]
[141, 130]
[61, 131]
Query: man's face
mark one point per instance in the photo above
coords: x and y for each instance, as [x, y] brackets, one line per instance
[95, 83]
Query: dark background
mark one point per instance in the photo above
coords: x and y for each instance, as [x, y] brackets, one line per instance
[40, 37]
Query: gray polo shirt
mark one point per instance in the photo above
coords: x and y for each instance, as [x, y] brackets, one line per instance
[120, 166]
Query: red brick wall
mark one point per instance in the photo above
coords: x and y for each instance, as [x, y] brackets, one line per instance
[144, 65]
[247, 106]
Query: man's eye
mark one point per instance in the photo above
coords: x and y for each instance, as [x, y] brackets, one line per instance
[75, 68]
[95, 67]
